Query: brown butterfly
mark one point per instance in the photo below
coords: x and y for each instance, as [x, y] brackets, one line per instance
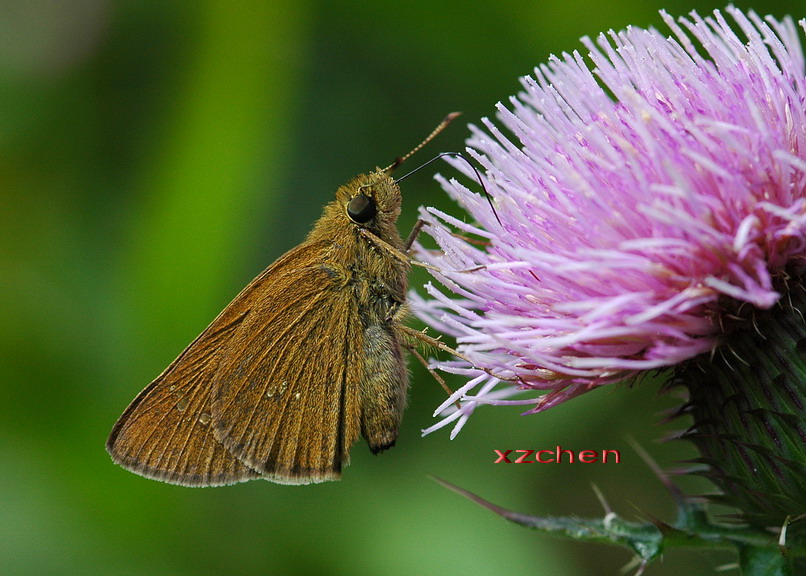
[306, 358]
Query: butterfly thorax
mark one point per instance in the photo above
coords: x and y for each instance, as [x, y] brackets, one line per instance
[361, 255]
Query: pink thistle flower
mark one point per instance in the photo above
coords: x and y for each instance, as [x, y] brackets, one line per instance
[639, 207]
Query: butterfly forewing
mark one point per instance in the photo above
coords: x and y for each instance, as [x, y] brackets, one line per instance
[292, 416]
[241, 402]
[166, 432]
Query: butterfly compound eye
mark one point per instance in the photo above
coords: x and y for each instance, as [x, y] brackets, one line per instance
[361, 209]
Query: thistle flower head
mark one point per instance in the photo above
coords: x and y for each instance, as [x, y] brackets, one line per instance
[643, 200]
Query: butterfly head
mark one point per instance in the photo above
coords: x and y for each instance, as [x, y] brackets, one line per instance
[371, 201]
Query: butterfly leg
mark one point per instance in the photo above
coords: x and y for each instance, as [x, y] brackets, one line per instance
[403, 256]
[415, 231]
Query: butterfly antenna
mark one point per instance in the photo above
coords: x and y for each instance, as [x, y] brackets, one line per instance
[468, 162]
[442, 125]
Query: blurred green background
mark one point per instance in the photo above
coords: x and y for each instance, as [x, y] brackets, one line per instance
[154, 157]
